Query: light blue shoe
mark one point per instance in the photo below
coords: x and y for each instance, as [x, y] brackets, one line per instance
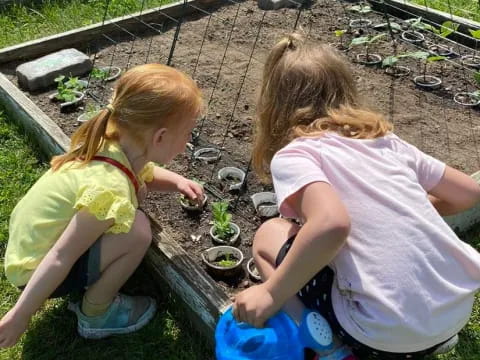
[126, 314]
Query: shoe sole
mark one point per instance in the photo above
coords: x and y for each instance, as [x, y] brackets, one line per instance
[103, 333]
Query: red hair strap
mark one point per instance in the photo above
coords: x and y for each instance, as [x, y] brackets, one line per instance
[121, 167]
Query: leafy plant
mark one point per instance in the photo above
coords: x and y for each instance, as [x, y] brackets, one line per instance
[476, 77]
[447, 28]
[367, 41]
[427, 58]
[99, 74]
[394, 26]
[66, 89]
[187, 201]
[222, 220]
[340, 34]
[360, 8]
[227, 262]
[475, 33]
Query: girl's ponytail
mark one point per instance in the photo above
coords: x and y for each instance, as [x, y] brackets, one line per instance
[86, 141]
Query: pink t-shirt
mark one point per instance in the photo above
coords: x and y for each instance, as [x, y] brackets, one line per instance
[404, 281]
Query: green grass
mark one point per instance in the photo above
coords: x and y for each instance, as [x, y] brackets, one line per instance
[20, 23]
[52, 333]
[465, 8]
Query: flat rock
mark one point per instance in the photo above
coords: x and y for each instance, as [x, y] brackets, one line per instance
[278, 4]
[41, 73]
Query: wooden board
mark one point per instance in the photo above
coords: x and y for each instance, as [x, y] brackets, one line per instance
[170, 264]
[83, 35]
[407, 10]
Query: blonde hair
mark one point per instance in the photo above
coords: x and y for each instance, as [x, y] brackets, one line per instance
[145, 98]
[307, 90]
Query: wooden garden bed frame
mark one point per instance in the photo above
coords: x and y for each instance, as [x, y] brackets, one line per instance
[170, 265]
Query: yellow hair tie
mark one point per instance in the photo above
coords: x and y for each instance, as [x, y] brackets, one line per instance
[110, 108]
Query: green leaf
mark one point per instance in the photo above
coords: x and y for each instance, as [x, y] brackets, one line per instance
[476, 76]
[59, 79]
[475, 33]
[448, 27]
[359, 41]
[340, 33]
[435, 58]
[389, 61]
[361, 9]
[417, 55]
[376, 37]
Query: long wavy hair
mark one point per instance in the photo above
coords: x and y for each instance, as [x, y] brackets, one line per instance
[145, 98]
[308, 89]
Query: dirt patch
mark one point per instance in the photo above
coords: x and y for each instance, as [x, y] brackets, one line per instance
[230, 76]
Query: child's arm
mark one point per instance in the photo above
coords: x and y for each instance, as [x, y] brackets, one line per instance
[82, 231]
[168, 181]
[326, 227]
[456, 192]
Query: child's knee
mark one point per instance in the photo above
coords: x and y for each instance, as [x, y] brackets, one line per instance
[141, 231]
[272, 232]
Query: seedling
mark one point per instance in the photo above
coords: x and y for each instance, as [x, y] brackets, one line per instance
[427, 81]
[476, 77]
[367, 41]
[226, 260]
[447, 28]
[100, 74]
[393, 25]
[360, 8]
[341, 34]
[222, 226]
[66, 89]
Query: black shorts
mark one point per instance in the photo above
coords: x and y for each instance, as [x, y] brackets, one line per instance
[316, 295]
[83, 273]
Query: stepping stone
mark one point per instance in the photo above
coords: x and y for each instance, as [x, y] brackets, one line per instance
[41, 73]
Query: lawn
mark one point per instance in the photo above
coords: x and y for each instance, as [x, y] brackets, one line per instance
[52, 333]
[469, 9]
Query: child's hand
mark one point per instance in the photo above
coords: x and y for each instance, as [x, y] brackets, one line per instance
[191, 190]
[11, 328]
[255, 306]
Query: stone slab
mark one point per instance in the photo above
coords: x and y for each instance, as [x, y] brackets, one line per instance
[41, 73]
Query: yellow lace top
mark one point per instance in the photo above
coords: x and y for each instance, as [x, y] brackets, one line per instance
[44, 212]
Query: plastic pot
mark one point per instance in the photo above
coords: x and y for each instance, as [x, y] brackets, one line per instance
[265, 203]
[373, 59]
[113, 71]
[231, 241]
[212, 254]
[87, 116]
[466, 99]
[360, 23]
[207, 155]
[193, 208]
[413, 37]
[252, 270]
[440, 50]
[398, 71]
[472, 61]
[427, 82]
[79, 98]
[232, 172]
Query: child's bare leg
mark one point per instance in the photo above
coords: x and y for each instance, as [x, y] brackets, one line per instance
[267, 242]
[120, 256]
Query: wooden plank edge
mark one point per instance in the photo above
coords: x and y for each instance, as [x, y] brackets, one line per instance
[203, 298]
[401, 7]
[464, 221]
[72, 38]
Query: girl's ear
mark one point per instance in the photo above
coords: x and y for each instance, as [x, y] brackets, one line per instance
[158, 136]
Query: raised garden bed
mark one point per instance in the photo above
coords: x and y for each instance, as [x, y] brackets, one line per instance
[225, 52]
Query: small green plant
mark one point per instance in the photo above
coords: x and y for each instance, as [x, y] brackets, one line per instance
[100, 74]
[340, 34]
[475, 33]
[393, 25]
[391, 61]
[360, 8]
[228, 261]
[367, 41]
[66, 89]
[222, 220]
[476, 77]
[427, 59]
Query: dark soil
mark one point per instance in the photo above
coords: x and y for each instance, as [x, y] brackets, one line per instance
[230, 78]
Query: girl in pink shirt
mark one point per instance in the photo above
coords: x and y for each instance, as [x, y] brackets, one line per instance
[373, 254]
